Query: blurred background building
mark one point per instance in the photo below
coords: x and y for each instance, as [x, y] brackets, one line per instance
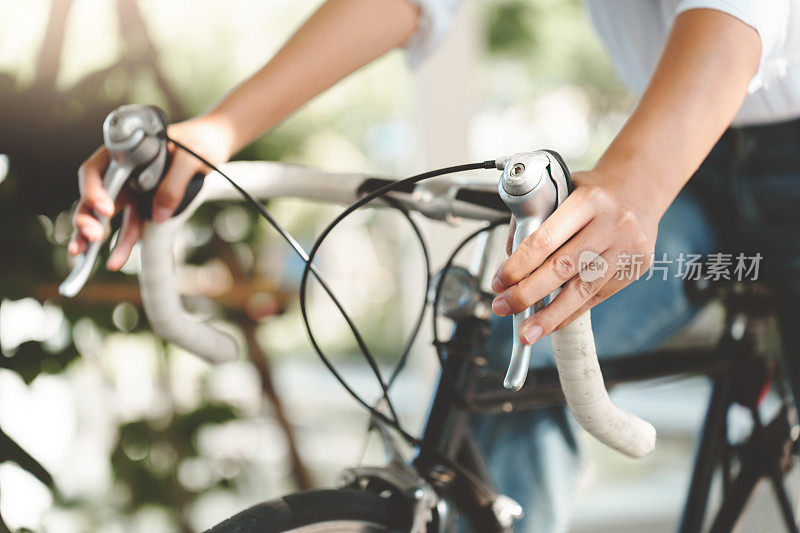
[105, 427]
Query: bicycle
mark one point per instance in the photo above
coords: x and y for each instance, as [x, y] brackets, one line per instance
[449, 478]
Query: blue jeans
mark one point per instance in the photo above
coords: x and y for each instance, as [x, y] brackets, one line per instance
[744, 198]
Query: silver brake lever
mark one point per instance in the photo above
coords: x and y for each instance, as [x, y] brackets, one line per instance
[532, 185]
[134, 137]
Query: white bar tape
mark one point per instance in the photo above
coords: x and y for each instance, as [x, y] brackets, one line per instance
[162, 300]
[158, 278]
[586, 395]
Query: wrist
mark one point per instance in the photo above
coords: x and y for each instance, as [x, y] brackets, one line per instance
[218, 136]
[641, 184]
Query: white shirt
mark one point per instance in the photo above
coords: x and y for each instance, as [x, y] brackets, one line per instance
[634, 32]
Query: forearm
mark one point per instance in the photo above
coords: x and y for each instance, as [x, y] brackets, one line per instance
[339, 38]
[695, 92]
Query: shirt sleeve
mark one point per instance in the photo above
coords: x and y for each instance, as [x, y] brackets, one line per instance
[435, 17]
[778, 25]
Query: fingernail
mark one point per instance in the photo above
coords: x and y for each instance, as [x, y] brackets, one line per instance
[532, 334]
[161, 213]
[497, 285]
[500, 307]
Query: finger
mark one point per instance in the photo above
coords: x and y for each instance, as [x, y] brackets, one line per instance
[90, 183]
[607, 291]
[510, 242]
[129, 234]
[559, 268]
[572, 297]
[77, 243]
[565, 222]
[173, 188]
[86, 223]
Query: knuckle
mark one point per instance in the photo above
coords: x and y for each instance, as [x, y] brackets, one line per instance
[591, 191]
[541, 240]
[564, 266]
[642, 243]
[595, 299]
[626, 217]
[585, 289]
[596, 194]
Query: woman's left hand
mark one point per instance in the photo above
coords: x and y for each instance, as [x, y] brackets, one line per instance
[597, 242]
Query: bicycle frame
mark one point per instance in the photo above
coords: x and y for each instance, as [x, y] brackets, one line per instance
[466, 385]
[734, 360]
[449, 470]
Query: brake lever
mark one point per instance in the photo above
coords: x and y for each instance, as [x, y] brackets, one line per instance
[532, 185]
[135, 136]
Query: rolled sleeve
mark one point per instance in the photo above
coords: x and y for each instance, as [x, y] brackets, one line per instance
[777, 26]
[435, 17]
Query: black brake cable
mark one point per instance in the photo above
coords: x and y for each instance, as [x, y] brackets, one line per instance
[426, 257]
[298, 249]
[380, 192]
[310, 268]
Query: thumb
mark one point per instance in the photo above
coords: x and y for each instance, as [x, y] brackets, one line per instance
[129, 233]
[173, 188]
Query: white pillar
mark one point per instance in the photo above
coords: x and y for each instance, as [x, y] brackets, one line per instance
[446, 92]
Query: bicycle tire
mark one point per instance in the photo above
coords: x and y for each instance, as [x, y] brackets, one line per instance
[321, 511]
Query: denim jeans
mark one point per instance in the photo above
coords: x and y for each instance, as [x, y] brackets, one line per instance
[744, 198]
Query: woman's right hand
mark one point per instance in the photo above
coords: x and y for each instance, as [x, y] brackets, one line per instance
[206, 136]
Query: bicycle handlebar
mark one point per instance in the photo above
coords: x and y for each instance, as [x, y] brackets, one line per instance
[265, 181]
[532, 185]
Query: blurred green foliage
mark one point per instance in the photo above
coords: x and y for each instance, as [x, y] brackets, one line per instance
[148, 453]
[511, 27]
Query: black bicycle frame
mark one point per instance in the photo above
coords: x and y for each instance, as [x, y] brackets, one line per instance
[466, 387]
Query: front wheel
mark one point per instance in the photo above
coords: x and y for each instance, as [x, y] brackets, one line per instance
[322, 511]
